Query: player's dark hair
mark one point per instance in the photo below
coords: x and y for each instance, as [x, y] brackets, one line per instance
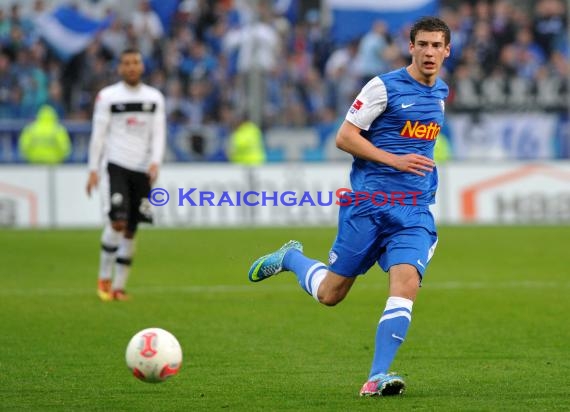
[130, 50]
[430, 24]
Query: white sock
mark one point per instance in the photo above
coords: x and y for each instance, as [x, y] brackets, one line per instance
[109, 244]
[316, 279]
[123, 263]
[394, 302]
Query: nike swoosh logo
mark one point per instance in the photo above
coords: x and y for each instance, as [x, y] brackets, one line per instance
[405, 106]
[421, 264]
[397, 337]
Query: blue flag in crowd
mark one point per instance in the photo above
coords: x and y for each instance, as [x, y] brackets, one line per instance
[352, 19]
[165, 10]
[287, 8]
[67, 31]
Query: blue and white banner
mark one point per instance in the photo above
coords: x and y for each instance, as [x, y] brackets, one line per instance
[353, 18]
[68, 31]
[166, 9]
[287, 8]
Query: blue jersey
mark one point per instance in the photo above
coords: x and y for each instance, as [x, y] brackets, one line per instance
[401, 116]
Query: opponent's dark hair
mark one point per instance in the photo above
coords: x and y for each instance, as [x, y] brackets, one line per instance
[130, 50]
[430, 24]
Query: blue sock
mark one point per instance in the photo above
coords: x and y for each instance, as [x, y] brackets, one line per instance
[391, 333]
[309, 272]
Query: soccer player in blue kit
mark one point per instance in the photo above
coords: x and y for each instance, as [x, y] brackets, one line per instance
[391, 130]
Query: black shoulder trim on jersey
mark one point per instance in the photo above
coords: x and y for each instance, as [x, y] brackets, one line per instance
[137, 107]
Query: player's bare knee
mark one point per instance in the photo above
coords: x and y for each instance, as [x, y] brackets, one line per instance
[119, 225]
[330, 298]
[412, 283]
[407, 289]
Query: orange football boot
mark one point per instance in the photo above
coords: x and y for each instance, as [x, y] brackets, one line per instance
[104, 290]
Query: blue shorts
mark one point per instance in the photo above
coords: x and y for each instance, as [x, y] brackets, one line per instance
[389, 235]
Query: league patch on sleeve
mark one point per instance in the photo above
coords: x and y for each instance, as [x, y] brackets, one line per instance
[356, 106]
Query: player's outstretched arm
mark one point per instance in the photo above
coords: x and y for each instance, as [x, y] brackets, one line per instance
[153, 172]
[351, 141]
[414, 163]
[92, 182]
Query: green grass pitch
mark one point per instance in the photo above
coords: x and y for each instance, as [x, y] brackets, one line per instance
[490, 329]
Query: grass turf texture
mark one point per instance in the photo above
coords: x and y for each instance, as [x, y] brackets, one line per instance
[489, 330]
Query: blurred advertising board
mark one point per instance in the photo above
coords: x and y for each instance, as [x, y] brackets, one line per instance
[299, 194]
[486, 136]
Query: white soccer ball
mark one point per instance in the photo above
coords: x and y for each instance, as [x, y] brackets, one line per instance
[154, 355]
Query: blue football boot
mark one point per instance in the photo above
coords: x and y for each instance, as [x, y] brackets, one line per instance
[272, 263]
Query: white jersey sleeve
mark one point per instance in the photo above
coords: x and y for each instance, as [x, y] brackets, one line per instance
[159, 132]
[100, 128]
[129, 127]
[369, 104]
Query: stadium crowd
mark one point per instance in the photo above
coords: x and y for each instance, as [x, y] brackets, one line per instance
[503, 56]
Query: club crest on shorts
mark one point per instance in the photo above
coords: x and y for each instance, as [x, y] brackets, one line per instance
[332, 257]
[116, 199]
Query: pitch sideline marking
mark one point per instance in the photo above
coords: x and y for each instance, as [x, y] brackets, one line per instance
[144, 290]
